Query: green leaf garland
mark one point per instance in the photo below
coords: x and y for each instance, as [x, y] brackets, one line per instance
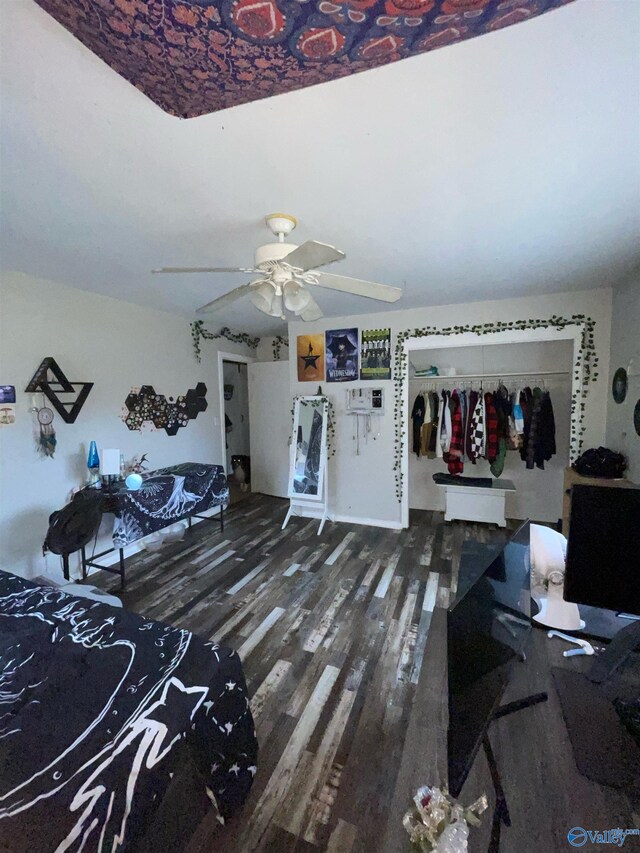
[198, 331]
[586, 364]
[331, 420]
[277, 344]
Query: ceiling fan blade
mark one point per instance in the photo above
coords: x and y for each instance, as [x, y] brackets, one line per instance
[204, 269]
[311, 312]
[360, 287]
[227, 299]
[313, 254]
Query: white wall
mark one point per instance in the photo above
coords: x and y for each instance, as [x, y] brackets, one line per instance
[115, 345]
[237, 408]
[363, 487]
[625, 345]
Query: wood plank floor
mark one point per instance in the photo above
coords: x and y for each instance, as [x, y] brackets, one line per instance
[342, 642]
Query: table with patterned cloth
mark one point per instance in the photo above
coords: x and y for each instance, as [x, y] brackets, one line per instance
[165, 496]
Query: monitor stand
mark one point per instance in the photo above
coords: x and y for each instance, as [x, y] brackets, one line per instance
[501, 810]
[624, 643]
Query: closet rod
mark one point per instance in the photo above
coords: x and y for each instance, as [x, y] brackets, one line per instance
[532, 373]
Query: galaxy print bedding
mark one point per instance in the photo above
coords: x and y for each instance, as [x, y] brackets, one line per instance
[98, 709]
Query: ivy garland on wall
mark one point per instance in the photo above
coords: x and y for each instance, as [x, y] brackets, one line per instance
[586, 364]
[277, 344]
[331, 421]
[198, 331]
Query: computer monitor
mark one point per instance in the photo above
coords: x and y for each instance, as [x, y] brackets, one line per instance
[487, 629]
[603, 565]
[603, 549]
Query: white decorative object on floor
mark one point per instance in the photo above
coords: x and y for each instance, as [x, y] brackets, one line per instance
[548, 554]
[175, 532]
[585, 647]
[153, 542]
[477, 503]
[308, 487]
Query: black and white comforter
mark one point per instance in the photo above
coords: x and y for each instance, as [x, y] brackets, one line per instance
[98, 707]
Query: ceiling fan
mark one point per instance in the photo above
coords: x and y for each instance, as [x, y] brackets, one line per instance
[285, 271]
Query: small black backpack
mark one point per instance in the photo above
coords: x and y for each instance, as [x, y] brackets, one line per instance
[73, 526]
[601, 462]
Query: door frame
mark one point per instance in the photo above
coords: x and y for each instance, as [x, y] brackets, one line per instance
[570, 332]
[222, 357]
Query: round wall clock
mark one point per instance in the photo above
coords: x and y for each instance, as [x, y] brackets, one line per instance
[636, 417]
[619, 385]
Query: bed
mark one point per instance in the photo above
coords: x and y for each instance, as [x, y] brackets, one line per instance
[99, 709]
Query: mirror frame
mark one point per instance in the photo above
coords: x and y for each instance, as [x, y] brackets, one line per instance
[296, 496]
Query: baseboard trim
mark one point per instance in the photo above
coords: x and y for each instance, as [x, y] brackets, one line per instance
[369, 522]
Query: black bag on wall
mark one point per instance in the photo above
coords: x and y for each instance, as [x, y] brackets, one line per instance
[600, 462]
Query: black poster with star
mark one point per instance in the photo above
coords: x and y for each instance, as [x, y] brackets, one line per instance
[310, 351]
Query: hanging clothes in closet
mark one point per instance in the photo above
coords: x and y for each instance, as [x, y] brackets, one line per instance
[465, 425]
[417, 418]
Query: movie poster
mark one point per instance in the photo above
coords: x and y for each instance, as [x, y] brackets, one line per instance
[310, 358]
[342, 355]
[375, 354]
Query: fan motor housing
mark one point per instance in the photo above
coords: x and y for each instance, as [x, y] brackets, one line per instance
[273, 252]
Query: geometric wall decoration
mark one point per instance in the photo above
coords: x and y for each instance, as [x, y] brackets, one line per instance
[193, 57]
[51, 381]
[143, 407]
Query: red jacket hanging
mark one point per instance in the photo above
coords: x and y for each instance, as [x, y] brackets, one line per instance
[454, 457]
[491, 428]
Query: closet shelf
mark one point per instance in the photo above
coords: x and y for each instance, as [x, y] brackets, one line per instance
[499, 375]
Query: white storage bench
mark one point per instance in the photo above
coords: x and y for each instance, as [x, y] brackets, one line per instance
[477, 503]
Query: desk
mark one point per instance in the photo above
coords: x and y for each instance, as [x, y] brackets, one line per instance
[166, 496]
[468, 502]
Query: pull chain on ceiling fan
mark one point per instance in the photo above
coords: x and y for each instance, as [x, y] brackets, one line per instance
[286, 272]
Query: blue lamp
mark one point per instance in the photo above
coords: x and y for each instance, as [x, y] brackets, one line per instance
[93, 462]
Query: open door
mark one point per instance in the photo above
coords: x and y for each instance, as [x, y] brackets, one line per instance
[270, 418]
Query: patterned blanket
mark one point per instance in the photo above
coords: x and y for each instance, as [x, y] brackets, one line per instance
[166, 496]
[98, 709]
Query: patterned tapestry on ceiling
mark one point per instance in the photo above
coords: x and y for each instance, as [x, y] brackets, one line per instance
[197, 57]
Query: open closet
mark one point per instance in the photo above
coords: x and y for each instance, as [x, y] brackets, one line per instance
[496, 411]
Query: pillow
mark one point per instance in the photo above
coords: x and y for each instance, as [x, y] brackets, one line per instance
[548, 552]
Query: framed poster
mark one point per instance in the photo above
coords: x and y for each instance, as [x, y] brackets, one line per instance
[342, 355]
[375, 354]
[310, 350]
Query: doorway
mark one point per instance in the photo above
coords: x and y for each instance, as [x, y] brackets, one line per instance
[235, 424]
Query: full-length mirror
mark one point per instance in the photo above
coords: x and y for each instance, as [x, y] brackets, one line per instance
[308, 450]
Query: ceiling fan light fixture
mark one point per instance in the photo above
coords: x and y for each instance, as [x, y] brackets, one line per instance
[277, 308]
[263, 297]
[296, 297]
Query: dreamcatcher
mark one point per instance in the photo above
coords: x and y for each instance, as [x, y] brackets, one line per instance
[46, 436]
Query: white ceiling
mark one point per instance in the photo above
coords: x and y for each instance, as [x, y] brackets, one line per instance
[507, 165]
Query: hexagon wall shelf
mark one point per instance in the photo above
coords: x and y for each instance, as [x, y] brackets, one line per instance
[144, 407]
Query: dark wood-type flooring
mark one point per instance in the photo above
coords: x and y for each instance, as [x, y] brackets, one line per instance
[342, 639]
